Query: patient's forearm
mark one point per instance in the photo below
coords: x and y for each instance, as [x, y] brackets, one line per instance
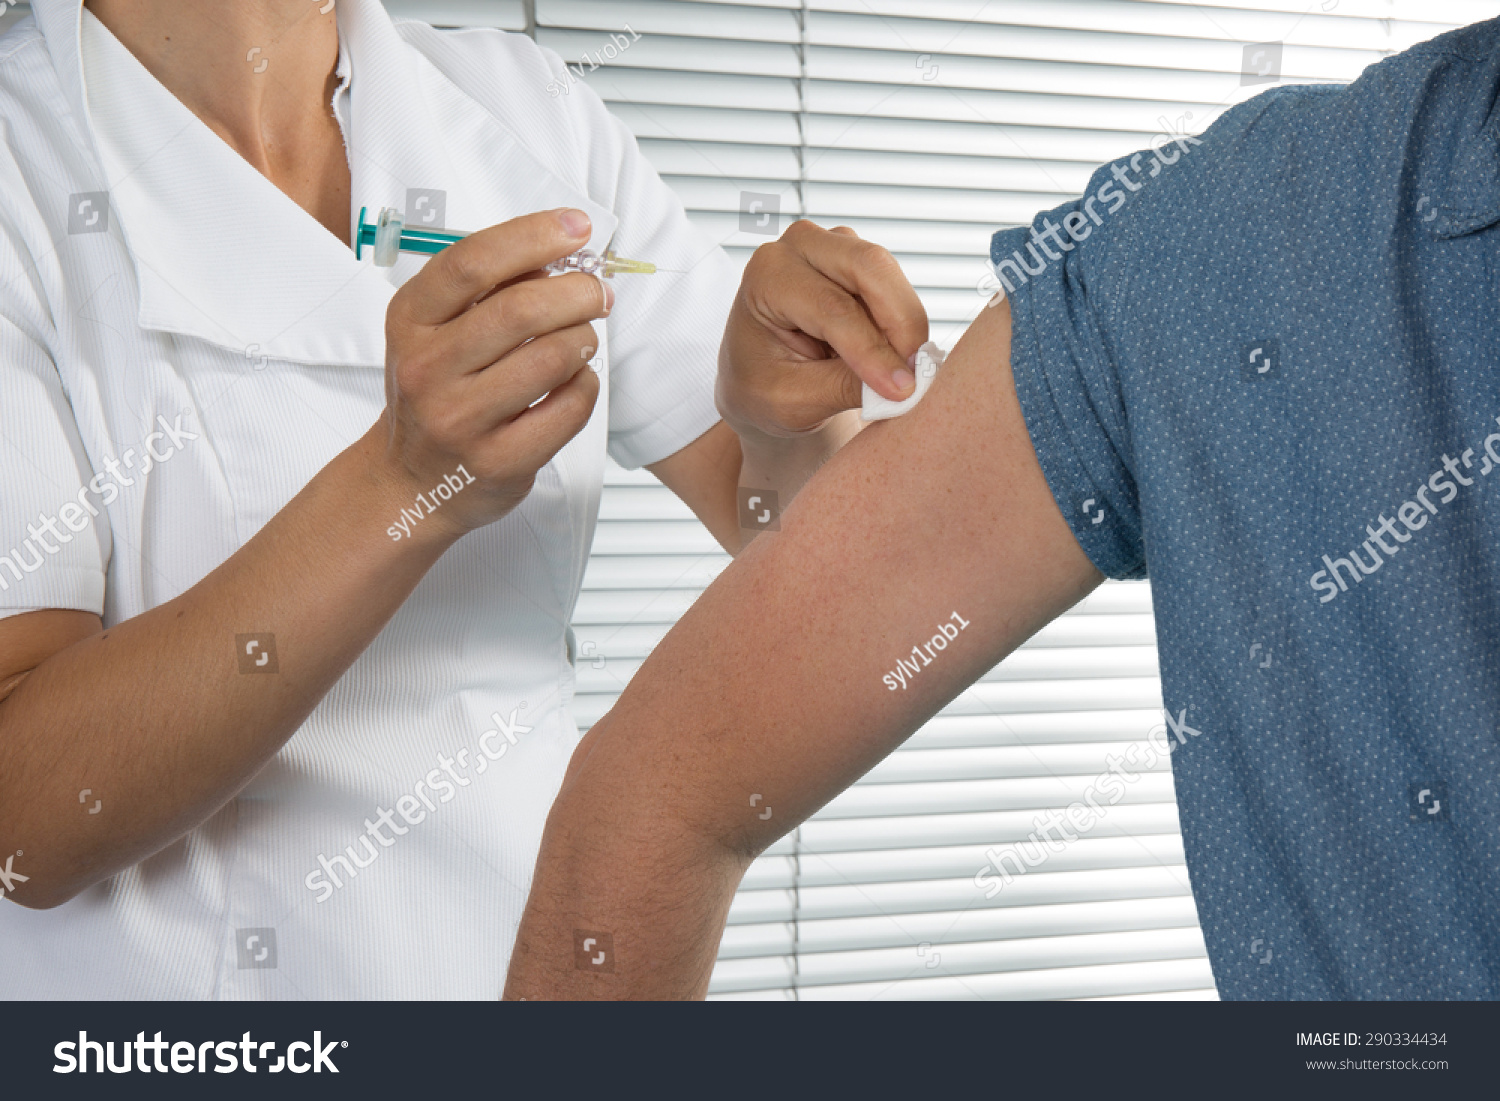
[667, 897]
[709, 756]
[763, 703]
[771, 696]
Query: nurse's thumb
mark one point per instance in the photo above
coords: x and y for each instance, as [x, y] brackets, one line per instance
[811, 392]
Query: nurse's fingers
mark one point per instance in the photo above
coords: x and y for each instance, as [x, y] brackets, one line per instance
[534, 437]
[793, 396]
[464, 272]
[425, 364]
[850, 294]
[520, 312]
[483, 401]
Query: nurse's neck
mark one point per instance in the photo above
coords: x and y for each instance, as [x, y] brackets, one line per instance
[260, 74]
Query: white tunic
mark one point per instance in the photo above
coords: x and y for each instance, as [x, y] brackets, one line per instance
[182, 348]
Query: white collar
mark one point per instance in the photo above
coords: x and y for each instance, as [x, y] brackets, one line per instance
[223, 255]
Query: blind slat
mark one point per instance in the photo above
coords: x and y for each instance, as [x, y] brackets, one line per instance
[958, 926]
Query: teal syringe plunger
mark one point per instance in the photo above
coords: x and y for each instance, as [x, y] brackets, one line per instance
[389, 236]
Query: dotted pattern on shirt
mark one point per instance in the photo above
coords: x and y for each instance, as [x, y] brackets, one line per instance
[1340, 803]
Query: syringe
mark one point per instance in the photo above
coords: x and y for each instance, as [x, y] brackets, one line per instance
[389, 236]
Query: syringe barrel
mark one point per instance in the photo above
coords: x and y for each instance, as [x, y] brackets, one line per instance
[429, 242]
[390, 236]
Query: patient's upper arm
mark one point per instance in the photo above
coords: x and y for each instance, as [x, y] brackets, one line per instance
[775, 683]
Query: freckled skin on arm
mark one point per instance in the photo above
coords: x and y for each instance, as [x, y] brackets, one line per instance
[772, 685]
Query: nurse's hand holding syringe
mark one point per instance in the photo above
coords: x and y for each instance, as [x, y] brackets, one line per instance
[487, 369]
[487, 366]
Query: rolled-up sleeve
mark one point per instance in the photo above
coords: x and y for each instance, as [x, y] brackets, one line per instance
[1065, 375]
[54, 531]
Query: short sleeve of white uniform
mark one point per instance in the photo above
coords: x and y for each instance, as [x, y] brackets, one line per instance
[665, 329]
[44, 471]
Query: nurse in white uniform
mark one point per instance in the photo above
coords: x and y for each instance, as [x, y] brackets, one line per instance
[289, 544]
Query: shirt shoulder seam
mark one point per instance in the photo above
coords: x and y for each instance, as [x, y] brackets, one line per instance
[29, 37]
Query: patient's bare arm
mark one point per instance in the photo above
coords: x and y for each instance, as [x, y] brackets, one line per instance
[773, 684]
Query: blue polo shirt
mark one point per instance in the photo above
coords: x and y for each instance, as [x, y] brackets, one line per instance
[1264, 369]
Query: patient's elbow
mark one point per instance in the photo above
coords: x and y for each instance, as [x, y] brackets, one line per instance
[38, 899]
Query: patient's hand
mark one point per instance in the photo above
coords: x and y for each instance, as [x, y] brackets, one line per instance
[819, 313]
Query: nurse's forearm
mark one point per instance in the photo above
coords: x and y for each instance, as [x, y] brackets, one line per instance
[737, 484]
[163, 718]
